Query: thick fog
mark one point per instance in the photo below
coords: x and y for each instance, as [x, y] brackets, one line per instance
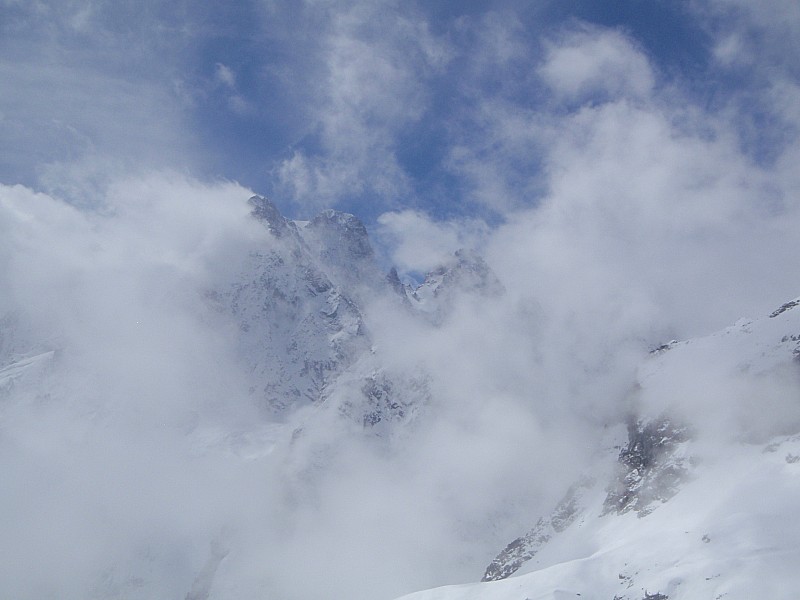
[137, 462]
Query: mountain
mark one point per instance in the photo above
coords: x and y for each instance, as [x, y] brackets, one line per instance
[298, 325]
[294, 423]
[666, 514]
[466, 273]
[299, 303]
[697, 501]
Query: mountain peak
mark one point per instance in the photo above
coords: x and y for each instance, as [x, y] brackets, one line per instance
[342, 231]
[266, 211]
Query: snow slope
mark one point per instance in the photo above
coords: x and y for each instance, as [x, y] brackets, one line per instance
[730, 533]
[729, 528]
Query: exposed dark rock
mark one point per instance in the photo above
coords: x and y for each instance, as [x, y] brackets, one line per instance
[647, 596]
[268, 213]
[524, 548]
[518, 552]
[468, 273]
[393, 279]
[342, 231]
[650, 469]
[378, 392]
[465, 275]
[663, 347]
[341, 244]
[382, 399]
[784, 307]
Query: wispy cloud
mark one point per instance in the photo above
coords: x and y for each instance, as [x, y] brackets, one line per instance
[376, 61]
[82, 88]
[592, 65]
[420, 244]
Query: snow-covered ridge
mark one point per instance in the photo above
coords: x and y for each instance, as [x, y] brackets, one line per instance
[682, 518]
[299, 304]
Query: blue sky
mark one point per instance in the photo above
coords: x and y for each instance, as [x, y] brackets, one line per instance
[368, 106]
[648, 131]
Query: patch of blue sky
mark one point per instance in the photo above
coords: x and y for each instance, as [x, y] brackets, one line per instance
[248, 146]
[248, 81]
[671, 35]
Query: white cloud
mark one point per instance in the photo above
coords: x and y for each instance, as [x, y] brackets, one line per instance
[79, 90]
[596, 63]
[638, 212]
[376, 59]
[225, 81]
[756, 49]
[120, 294]
[420, 244]
[150, 402]
[225, 76]
[493, 148]
[728, 51]
[756, 30]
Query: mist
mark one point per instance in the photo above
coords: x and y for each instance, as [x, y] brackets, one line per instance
[140, 463]
[618, 212]
[138, 459]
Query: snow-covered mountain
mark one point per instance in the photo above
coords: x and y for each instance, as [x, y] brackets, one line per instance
[699, 500]
[302, 424]
[299, 305]
[299, 326]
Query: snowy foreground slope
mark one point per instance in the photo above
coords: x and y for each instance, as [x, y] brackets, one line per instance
[702, 511]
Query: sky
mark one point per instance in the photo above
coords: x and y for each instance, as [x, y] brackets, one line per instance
[367, 106]
[628, 170]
